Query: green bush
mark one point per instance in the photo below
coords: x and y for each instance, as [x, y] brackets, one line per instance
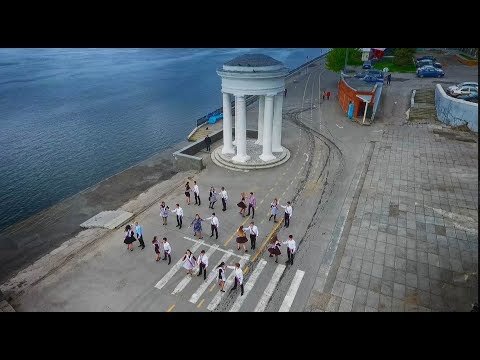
[336, 58]
[403, 56]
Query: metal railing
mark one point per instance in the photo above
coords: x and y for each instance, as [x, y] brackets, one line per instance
[250, 99]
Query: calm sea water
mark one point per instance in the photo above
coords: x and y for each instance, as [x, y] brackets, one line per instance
[69, 118]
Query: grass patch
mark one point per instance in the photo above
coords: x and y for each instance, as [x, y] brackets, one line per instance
[410, 68]
[468, 57]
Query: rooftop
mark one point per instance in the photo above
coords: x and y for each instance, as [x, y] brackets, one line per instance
[253, 60]
[358, 84]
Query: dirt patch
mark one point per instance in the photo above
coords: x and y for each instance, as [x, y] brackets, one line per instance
[319, 301]
[393, 211]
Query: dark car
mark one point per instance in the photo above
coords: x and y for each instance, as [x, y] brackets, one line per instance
[371, 79]
[367, 65]
[472, 97]
[427, 57]
[428, 62]
[430, 71]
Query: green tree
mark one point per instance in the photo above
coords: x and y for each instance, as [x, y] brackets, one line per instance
[403, 56]
[336, 58]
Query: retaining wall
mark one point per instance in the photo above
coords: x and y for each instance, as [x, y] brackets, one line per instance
[455, 112]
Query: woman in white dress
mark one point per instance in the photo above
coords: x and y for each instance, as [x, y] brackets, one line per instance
[189, 262]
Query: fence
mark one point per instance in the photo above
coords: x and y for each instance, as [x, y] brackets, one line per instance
[250, 99]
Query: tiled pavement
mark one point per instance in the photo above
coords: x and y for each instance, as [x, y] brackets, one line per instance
[413, 244]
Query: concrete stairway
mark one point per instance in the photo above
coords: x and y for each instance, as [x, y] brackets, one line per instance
[424, 106]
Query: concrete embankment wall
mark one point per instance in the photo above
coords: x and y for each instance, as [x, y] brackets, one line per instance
[455, 112]
[185, 159]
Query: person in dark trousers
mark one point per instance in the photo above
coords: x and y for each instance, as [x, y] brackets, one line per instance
[291, 248]
[323, 95]
[214, 224]
[139, 231]
[253, 230]
[389, 77]
[238, 277]
[328, 95]
[167, 250]
[196, 192]
[224, 195]
[208, 142]
[179, 211]
[202, 264]
[285, 92]
[288, 213]
[252, 203]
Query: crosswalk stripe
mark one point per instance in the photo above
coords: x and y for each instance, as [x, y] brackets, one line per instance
[267, 294]
[181, 285]
[213, 274]
[292, 291]
[218, 297]
[163, 281]
[248, 286]
[246, 256]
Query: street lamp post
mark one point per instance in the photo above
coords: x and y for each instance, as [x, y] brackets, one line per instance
[346, 57]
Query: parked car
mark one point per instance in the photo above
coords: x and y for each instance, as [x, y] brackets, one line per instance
[430, 71]
[463, 90]
[367, 65]
[428, 62]
[466, 83]
[472, 97]
[372, 72]
[371, 79]
[427, 57]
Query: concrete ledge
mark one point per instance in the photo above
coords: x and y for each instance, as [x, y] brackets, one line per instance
[455, 112]
[108, 219]
[6, 307]
[466, 61]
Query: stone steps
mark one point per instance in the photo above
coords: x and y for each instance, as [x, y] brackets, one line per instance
[219, 161]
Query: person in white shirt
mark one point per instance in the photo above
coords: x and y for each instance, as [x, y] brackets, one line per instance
[224, 195]
[179, 211]
[288, 213]
[291, 248]
[221, 275]
[202, 264]
[253, 230]
[167, 250]
[139, 231]
[196, 192]
[238, 277]
[214, 223]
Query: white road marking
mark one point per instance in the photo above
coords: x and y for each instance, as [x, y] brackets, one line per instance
[307, 157]
[246, 257]
[181, 285]
[458, 220]
[248, 286]
[267, 294]
[341, 127]
[213, 275]
[292, 291]
[163, 281]
[218, 297]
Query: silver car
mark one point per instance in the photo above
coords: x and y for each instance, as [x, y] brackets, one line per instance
[467, 83]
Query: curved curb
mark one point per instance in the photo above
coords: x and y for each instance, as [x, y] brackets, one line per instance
[219, 161]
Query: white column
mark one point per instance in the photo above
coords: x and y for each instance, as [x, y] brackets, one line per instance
[241, 131]
[365, 113]
[236, 118]
[227, 125]
[267, 129]
[277, 123]
[261, 107]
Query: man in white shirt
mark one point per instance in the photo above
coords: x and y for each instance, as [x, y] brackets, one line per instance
[179, 211]
[238, 276]
[288, 213]
[291, 248]
[253, 230]
[224, 195]
[139, 231]
[214, 223]
[167, 250]
[202, 264]
[196, 192]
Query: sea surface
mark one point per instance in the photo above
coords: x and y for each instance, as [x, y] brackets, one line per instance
[70, 118]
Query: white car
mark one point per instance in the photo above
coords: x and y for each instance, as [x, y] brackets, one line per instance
[463, 90]
[467, 83]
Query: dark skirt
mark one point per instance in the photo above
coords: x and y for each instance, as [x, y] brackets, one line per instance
[187, 193]
[242, 240]
[157, 249]
[274, 251]
[129, 240]
[242, 205]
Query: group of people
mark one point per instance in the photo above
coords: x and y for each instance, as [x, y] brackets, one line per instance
[325, 94]
[190, 262]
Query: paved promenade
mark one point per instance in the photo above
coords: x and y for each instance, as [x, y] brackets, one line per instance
[385, 219]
